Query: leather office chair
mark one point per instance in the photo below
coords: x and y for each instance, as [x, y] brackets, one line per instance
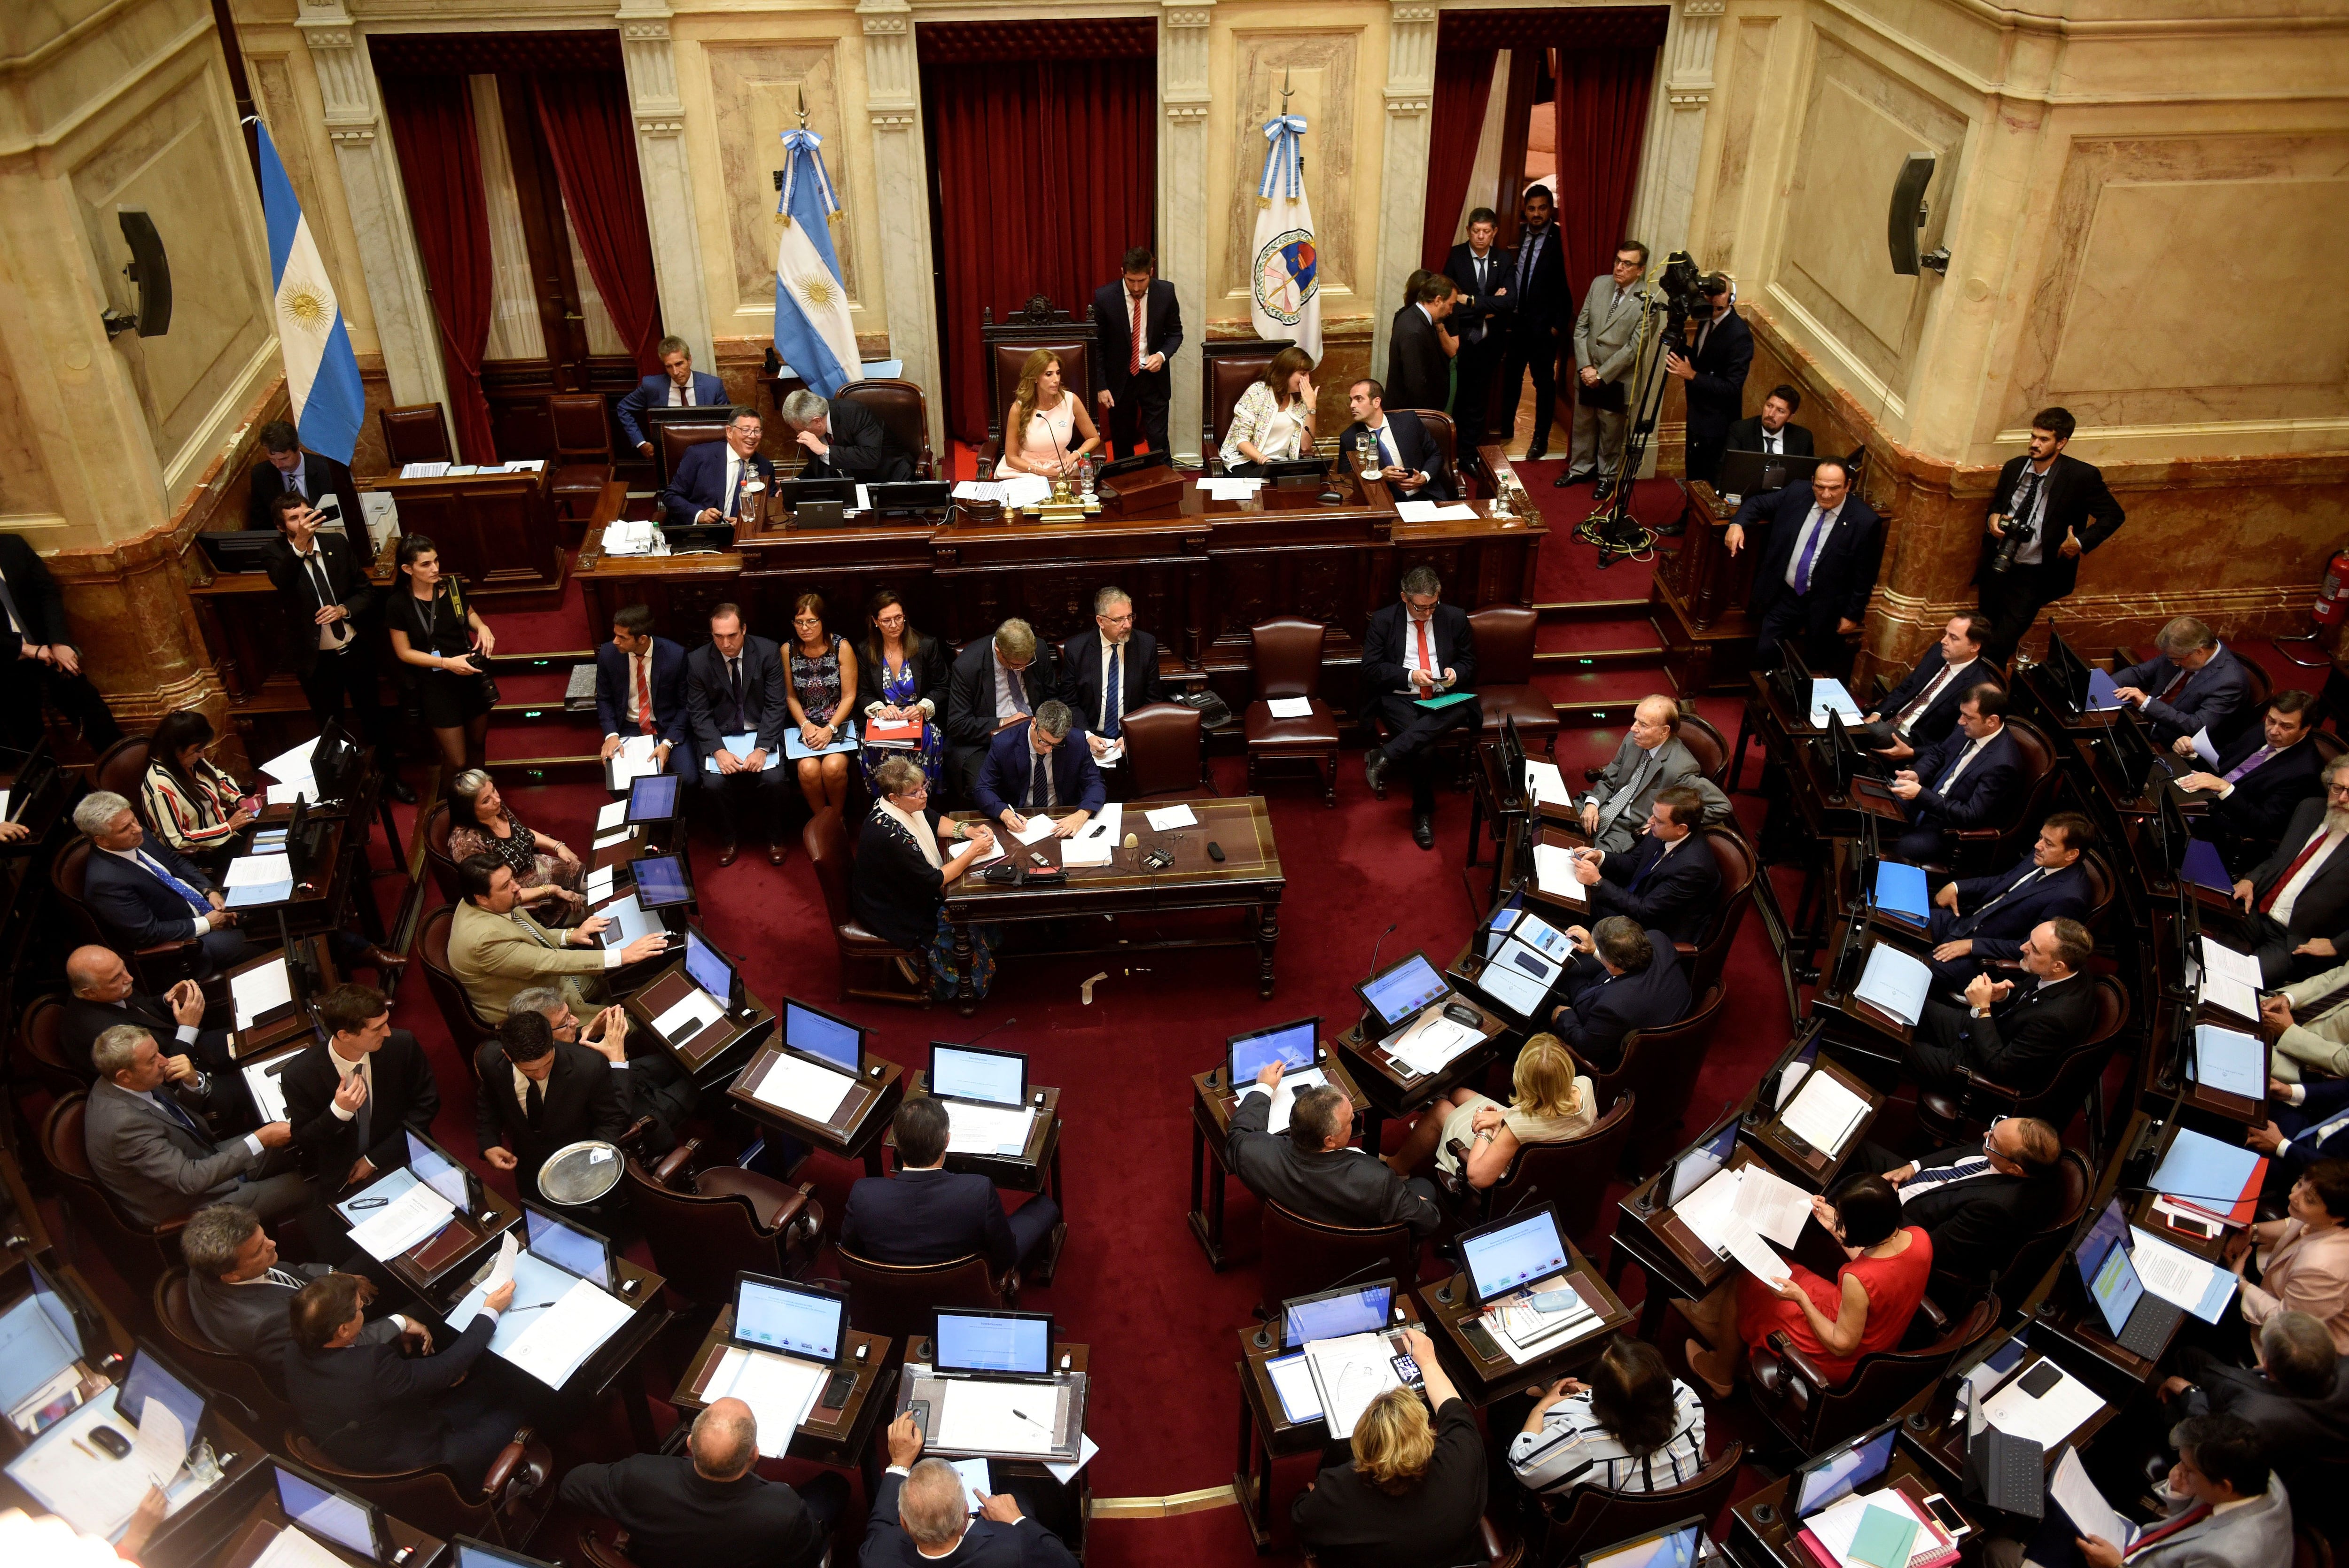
[1286, 654]
[604, 1546]
[2039, 1250]
[825, 839]
[1164, 754]
[1225, 371]
[503, 1506]
[1471, 479]
[222, 1371]
[1572, 1522]
[1707, 956]
[1993, 844]
[1501, 1548]
[704, 1226]
[581, 423]
[676, 436]
[436, 850]
[1004, 347]
[1661, 1065]
[1572, 1173]
[1957, 1117]
[1502, 636]
[1704, 743]
[902, 1300]
[2309, 1549]
[904, 416]
[466, 1026]
[159, 968]
[40, 1046]
[123, 770]
[2102, 889]
[414, 433]
[1299, 1256]
[141, 1255]
[1813, 1413]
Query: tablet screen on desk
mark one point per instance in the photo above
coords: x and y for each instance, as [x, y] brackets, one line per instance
[1019, 1342]
[1676, 1547]
[787, 1317]
[660, 881]
[1400, 991]
[1333, 1315]
[32, 1351]
[326, 1513]
[828, 1039]
[652, 798]
[1694, 1169]
[959, 1072]
[1836, 1477]
[1290, 1045]
[1514, 1252]
[568, 1247]
[708, 969]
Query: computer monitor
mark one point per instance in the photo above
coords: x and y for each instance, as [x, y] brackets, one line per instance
[968, 1072]
[569, 1247]
[450, 1178]
[331, 1514]
[1007, 1344]
[469, 1553]
[1693, 1169]
[784, 1315]
[1295, 472]
[708, 968]
[1500, 924]
[790, 492]
[34, 1348]
[1743, 473]
[151, 1379]
[661, 880]
[2069, 672]
[1334, 1314]
[1514, 1252]
[834, 1042]
[652, 797]
[1794, 678]
[1677, 1545]
[1835, 1475]
[336, 761]
[239, 550]
[2134, 760]
[1395, 996]
[906, 496]
[1291, 1044]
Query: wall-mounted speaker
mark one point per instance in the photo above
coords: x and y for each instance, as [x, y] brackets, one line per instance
[150, 269]
[1905, 218]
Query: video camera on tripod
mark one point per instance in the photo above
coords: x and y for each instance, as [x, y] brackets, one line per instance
[1681, 293]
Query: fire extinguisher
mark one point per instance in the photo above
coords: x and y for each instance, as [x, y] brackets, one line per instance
[2333, 592]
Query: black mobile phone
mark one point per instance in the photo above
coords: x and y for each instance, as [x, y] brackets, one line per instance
[1480, 1339]
[836, 1392]
[920, 1410]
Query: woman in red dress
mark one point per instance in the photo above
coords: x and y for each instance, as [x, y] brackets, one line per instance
[1866, 1308]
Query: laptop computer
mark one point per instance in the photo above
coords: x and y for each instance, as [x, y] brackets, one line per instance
[1334, 1314]
[2138, 1319]
[1840, 1472]
[1000, 1347]
[331, 1516]
[978, 1077]
[1400, 993]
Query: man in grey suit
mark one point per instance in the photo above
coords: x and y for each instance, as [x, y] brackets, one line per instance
[2225, 1510]
[1650, 757]
[1605, 338]
[238, 1292]
[152, 1154]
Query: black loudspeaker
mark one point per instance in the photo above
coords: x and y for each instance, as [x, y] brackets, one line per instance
[1907, 216]
[150, 269]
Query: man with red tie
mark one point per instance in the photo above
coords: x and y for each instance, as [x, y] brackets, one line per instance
[1417, 651]
[2298, 898]
[640, 690]
[1140, 327]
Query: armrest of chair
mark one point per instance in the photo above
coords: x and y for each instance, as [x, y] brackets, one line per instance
[1591, 775]
[636, 1132]
[1685, 949]
[1931, 1312]
[1498, 1548]
[1977, 1084]
[512, 1464]
[1805, 1378]
[674, 1162]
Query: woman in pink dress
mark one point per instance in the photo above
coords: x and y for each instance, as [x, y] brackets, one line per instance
[1047, 430]
[1865, 1309]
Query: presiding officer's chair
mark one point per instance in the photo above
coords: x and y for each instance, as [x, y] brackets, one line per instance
[674, 438]
[414, 433]
[904, 417]
[1004, 347]
[582, 424]
[1225, 371]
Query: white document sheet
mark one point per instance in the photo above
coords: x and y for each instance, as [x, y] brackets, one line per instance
[94, 1495]
[1349, 1373]
[612, 815]
[1838, 1526]
[1894, 982]
[779, 1390]
[599, 883]
[635, 760]
[2070, 1489]
[1290, 706]
[1004, 1417]
[1065, 1473]
[411, 1216]
[2175, 1275]
[1823, 1114]
[1712, 1209]
[1040, 827]
[1554, 873]
[501, 1267]
[1430, 1045]
[1773, 1205]
[288, 794]
[987, 1129]
[1753, 1254]
[293, 767]
[1025, 489]
[162, 1443]
[2217, 959]
[1223, 487]
[1283, 1096]
[1084, 850]
[259, 870]
[423, 471]
[2231, 980]
[604, 841]
[1544, 782]
[554, 1344]
[2048, 1419]
[257, 991]
[2204, 749]
[1107, 823]
[700, 1010]
[265, 1081]
[1293, 1381]
[293, 1548]
[1167, 816]
[1831, 696]
[1433, 511]
[803, 1088]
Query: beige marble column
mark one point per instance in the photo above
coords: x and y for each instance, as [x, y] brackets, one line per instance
[406, 332]
[1666, 194]
[1185, 27]
[650, 59]
[1403, 181]
[892, 98]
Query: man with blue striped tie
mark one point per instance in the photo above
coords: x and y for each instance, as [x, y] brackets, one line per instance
[1979, 1205]
[143, 894]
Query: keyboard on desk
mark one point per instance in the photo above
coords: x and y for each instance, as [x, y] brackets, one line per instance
[2150, 1324]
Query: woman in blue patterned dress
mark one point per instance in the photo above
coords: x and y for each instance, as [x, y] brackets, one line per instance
[901, 675]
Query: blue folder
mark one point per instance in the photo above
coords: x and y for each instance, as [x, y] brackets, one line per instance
[2101, 687]
[1900, 890]
[2207, 1173]
[2203, 867]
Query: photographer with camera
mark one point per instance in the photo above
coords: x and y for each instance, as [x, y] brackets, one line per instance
[2047, 511]
[1712, 372]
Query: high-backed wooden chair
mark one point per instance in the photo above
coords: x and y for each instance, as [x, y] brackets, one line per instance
[1469, 477]
[1704, 743]
[1572, 1175]
[159, 968]
[1813, 1412]
[1299, 1256]
[702, 1227]
[41, 1047]
[676, 436]
[1286, 654]
[466, 1026]
[1709, 955]
[140, 1253]
[1004, 347]
[222, 1369]
[1994, 843]
[1955, 1117]
[414, 433]
[825, 838]
[902, 1300]
[1573, 1521]
[1163, 755]
[1225, 371]
[1502, 636]
[904, 417]
[502, 1507]
[122, 769]
[2039, 1250]
[581, 423]
[1661, 1065]
[436, 850]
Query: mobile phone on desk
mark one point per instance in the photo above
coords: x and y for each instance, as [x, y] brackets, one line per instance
[1406, 1368]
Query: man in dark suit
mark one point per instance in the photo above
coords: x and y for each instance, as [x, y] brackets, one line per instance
[709, 1507]
[734, 687]
[640, 690]
[2296, 1399]
[36, 643]
[1819, 558]
[332, 630]
[286, 468]
[655, 1086]
[922, 1517]
[1772, 431]
[1415, 651]
[354, 1100]
[2298, 898]
[370, 1407]
[1313, 1170]
[2012, 1032]
[2259, 778]
[1964, 782]
[1031, 768]
[1979, 1202]
[105, 994]
[709, 484]
[1113, 673]
[1983, 920]
[844, 440]
[1140, 327]
[2192, 683]
[928, 1214]
[1419, 372]
[1668, 882]
[240, 1293]
[1544, 311]
[678, 386]
[1621, 979]
[533, 1095]
[1407, 455]
[996, 682]
[1922, 709]
[1712, 372]
[142, 893]
[1483, 310]
[2069, 512]
[2309, 1122]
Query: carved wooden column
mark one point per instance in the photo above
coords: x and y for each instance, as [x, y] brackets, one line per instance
[893, 97]
[1185, 28]
[651, 62]
[1402, 182]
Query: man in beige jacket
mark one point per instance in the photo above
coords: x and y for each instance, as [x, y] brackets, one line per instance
[496, 948]
[2312, 1016]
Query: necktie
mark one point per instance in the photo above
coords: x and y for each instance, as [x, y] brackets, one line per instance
[533, 1102]
[644, 691]
[173, 1108]
[1526, 258]
[196, 901]
[2194, 1515]
[2315, 1136]
[734, 466]
[1958, 766]
[1811, 549]
[1134, 366]
[279, 1276]
[316, 561]
[2248, 763]
[1036, 784]
[734, 679]
[2307, 853]
[1113, 693]
[2169, 692]
[1907, 716]
[1943, 1175]
[1622, 797]
[2025, 881]
[1658, 859]
[1018, 689]
[365, 1117]
[537, 932]
[1426, 659]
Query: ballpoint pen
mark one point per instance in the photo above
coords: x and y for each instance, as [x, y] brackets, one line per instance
[370, 1203]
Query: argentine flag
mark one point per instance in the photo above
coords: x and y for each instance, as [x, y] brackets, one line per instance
[811, 327]
[322, 374]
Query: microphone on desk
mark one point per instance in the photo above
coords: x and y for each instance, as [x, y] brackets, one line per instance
[1390, 931]
[984, 1033]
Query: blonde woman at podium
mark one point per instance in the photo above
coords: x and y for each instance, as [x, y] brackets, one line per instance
[1273, 420]
[1041, 434]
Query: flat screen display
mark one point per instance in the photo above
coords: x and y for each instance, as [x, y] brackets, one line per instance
[1677, 1548]
[660, 881]
[1335, 1315]
[151, 1379]
[330, 1515]
[708, 967]
[1513, 1255]
[796, 1322]
[1843, 1472]
[652, 798]
[1403, 990]
[32, 1351]
[1290, 1045]
[1694, 1169]
[823, 1037]
[994, 1342]
[998, 1077]
[568, 1247]
[439, 1173]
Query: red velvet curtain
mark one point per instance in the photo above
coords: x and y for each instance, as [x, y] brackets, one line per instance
[584, 118]
[1463, 80]
[440, 164]
[1046, 171]
[1602, 115]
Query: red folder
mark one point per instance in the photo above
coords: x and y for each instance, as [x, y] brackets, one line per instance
[904, 732]
[2241, 1211]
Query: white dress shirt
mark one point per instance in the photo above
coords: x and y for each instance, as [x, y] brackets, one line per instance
[1821, 519]
[682, 396]
[197, 923]
[364, 1068]
[1924, 702]
[2281, 908]
[2033, 551]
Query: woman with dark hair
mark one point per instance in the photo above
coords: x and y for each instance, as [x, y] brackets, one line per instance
[481, 822]
[1414, 1493]
[437, 634]
[1863, 1309]
[1634, 1426]
[2305, 1258]
[192, 805]
[900, 674]
[819, 685]
[1273, 420]
[906, 857]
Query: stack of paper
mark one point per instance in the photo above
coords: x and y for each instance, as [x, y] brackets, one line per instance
[1085, 850]
[1554, 873]
[1831, 696]
[2221, 1180]
[2228, 1061]
[779, 1390]
[1823, 1114]
[1894, 983]
[1170, 816]
[998, 1417]
[1433, 511]
[259, 878]
[634, 760]
[265, 1081]
[1283, 1096]
[423, 471]
[1348, 1374]
[2175, 1275]
[1429, 1046]
[552, 1343]
[292, 1547]
[987, 1128]
[1544, 782]
[2069, 1488]
[801, 1087]
[293, 768]
[2047, 1418]
[258, 990]
[413, 1213]
[631, 538]
[2230, 981]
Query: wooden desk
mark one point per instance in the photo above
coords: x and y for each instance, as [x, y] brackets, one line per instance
[1393, 1090]
[2069, 1316]
[1928, 1424]
[616, 1363]
[263, 1038]
[1266, 1431]
[1035, 1169]
[1698, 595]
[498, 531]
[1761, 1535]
[247, 1518]
[1484, 1382]
[853, 1133]
[1248, 878]
[195, 1527]
[842, 1438]
[1807, 1166]
[721, 1047]
[1213, 1103]
[423, 1279]
[1677, 1265]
